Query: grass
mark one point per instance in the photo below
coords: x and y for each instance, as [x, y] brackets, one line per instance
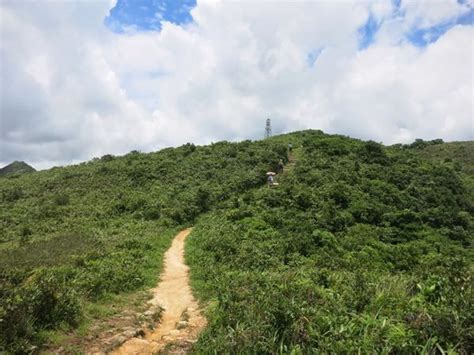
[97, 313]
[452, 153]
[285, 269]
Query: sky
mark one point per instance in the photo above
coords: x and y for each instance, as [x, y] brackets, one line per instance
[84, 78]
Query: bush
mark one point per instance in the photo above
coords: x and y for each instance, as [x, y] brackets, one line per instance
[61, 199]
[372, 152]
[52, 299]
[45, 300]
[12, 195]
[107, 157]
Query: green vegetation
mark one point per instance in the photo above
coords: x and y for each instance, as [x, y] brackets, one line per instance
[361, 249]
[458, 155]
[70, 236]
[16, 168]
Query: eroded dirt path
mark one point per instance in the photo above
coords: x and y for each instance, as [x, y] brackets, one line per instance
[181, 319]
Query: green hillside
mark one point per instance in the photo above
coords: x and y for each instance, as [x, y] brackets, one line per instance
[16, 168]
[70, 236]
[459, 155]
[361, 248]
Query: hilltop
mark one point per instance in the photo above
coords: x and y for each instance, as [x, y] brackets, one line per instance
[361, 248]
[459, 154]
[16, 168]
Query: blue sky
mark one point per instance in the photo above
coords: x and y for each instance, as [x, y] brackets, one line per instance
[146, 15]
[368, 31]
[418, 36]
[421, 37]
[313, 56]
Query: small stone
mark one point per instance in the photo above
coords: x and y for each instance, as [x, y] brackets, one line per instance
[130, 332]
[149, 313]
[141, 342]
[116, 341]
[182, 324]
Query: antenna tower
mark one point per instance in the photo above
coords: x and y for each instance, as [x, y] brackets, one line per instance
[268, 128]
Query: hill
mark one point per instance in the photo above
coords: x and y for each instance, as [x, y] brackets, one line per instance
[16, 168]
[460, 155]
[73, 236]
[361, 248]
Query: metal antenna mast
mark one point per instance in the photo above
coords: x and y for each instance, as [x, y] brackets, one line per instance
[268, 128]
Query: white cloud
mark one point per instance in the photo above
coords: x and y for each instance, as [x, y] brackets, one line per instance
[427, 13]
[401, 93]
[416, 15]
[61, 100]
[72, 89]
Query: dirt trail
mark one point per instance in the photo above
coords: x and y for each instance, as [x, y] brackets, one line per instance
[181, 320]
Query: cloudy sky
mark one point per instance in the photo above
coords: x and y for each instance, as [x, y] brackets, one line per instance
[79, 79]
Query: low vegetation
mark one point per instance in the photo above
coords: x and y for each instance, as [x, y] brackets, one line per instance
[361, 249]
[74, 235]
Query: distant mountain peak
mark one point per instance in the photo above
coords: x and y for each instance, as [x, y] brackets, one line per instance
[16, 168]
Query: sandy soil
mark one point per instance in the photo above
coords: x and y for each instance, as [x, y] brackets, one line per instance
[181, 319]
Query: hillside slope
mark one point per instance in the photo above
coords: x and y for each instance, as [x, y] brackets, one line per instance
[459, 155]
[360, 249]
[74, 235]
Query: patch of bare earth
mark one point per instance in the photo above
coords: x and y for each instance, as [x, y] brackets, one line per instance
[119, 320]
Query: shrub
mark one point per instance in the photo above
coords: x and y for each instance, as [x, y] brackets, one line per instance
[51, 298]
[61, 199]
[372, 152]
[12, 195]
[107, 157]
[45, 300]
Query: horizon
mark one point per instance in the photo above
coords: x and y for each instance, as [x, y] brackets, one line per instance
[91, 159]
[85, 79]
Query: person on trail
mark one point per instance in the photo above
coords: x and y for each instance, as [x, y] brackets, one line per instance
[280, 166]
[290, 147]
[270, 180]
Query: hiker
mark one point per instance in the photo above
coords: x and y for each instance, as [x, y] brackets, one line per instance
[270, 180]
[280, 166]
[290, 147]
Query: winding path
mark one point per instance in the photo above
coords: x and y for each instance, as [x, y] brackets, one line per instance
[181, 321]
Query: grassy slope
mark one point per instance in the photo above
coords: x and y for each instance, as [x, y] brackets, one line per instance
[79, 233]
[458, 155]
[70, 237]
[453, 152]
[360, 249]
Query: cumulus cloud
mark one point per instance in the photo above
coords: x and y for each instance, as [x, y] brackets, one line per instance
[71, 89]
[427, 13]
[60, 99]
